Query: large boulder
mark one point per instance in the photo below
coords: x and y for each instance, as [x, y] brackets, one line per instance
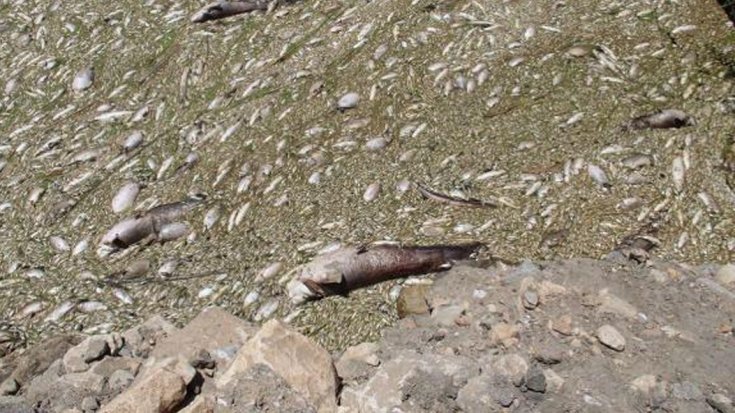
[304, 365]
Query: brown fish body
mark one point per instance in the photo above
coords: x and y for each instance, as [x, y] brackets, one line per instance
[351, 268]
[222, 9]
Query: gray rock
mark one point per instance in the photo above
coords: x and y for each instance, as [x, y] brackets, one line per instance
[611, 337]
[686, 391]
[721, 403]
[484, 393]
[536, 380]
[120, 380]
[78, 358]
[38, 358]
[726, 275]
[446, 315]
[140, 340]
[260, 389]
[511, 366]
[530, 299]
[90, 404]
[109, 365]
[409, 374]
[9, 387]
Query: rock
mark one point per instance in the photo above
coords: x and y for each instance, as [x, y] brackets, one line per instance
[161, 390]
[39, 357]
[202, 404]
[260, 389]
[119, 380]
[446, 315]
[90, 404]
[211, 331]
[299, 361]
[93, 348]
[611, 338]
[56, 392]
[644, 384]
[563, 325]
[686, 391]
[484, 393]
[554, 382]
[536, 380]
[511, 366]
[505, 334]
[721, 403]
[530, 299]
[357, 361]
[409, 376]
[613, 304]
[107, 366]
[726, 275]
[140, 340]
[412, 300]
[9, 387]
[348, 101]
[201, 359]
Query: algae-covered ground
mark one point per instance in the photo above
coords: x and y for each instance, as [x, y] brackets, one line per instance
[513, 101]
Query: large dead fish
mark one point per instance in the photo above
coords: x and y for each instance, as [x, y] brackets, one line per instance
[663, 119]
[221, 9]
[350, 268]
[158, 223]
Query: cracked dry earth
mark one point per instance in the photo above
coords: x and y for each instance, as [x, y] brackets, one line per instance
[111, 108]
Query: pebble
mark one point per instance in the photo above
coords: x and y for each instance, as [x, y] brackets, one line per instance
[563, 325]
[536, 380]
[611, 337]
[530, 299]
[447, 315]
[9, 387]
[726, 275]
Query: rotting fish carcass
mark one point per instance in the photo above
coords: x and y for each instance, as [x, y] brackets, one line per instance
[350, 268]
[158, 223]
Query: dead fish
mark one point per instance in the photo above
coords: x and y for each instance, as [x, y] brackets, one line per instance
[349, 268]
[154, 224]
[125, 197]
[451, 200]
[663, 119]
[222, 9]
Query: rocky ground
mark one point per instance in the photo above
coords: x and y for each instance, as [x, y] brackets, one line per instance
[567, 335]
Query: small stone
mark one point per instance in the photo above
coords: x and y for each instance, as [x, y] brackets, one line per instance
[161, 390]
[446, 315]
[412, 300]
[686, 391]
[93, 348]
[505, 334]
[536, 380]
[554, 382]
[530, 300]
[611, 337]
[348, 101]
[644, 384]
[721, 403]
[201, 359]
[563, 325]
[9, 387]
[90, 404]
[120, 380]
[726, 275]
[512, 366]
